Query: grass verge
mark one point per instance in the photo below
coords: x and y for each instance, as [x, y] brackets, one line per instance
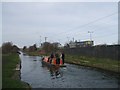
[36, 53]
[104, 64]
[10, 76]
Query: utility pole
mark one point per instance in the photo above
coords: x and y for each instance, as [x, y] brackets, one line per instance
[40, 40]
[73, 39]
[90, 35]
[46, 39]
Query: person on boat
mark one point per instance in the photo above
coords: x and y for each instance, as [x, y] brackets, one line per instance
[63, 57]
[48, 59]
[57, 58]
[51, 57]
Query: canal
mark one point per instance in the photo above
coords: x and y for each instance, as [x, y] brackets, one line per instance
[72, 76]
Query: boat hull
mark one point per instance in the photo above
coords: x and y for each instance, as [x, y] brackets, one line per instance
[50, 65]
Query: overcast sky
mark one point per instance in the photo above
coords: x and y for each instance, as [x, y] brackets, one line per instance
[24, 23]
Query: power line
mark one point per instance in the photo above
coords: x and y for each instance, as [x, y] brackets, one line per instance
[86, 24]
[102, 36]
[82, 26]
[93, 29]
[86, 34]
[105, 35]
[100, 29]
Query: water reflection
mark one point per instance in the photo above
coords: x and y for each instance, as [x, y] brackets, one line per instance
[55, 71]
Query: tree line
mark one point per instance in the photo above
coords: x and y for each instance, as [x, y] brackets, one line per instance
[46, 46]
[8, 47]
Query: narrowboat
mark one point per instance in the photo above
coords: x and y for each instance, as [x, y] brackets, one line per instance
[45, 61]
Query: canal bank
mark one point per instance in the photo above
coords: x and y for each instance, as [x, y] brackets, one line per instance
[102, 64]
[11, 74]
[18, 74]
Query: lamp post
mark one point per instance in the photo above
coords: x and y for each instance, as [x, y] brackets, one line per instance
[40, 40]
[90, 35]
[46, 39]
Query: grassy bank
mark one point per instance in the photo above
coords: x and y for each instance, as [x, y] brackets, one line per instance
[36, 53]
[105, 64]
[10, 76]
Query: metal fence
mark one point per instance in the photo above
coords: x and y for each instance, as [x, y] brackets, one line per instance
[105, 51]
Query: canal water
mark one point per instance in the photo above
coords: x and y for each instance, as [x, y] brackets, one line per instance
[72, 76]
